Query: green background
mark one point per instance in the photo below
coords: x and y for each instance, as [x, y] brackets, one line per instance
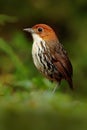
[26, 99]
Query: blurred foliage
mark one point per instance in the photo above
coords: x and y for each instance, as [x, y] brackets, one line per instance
[6, 18]
[26, 99]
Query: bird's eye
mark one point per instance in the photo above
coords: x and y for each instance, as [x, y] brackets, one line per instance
[40, 29]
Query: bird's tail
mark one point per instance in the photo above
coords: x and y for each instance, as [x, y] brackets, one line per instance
[70, 82]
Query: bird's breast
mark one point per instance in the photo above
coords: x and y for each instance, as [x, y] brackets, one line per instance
[42, 58]
[38, 54]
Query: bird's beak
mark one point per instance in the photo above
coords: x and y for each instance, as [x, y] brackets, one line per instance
[30, 30]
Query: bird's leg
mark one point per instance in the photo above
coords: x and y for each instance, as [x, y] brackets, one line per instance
[56, 87]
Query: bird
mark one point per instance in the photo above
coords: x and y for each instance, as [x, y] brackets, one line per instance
[49, 55]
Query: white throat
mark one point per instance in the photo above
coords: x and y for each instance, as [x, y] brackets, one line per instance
[37, 49]
[36, 38]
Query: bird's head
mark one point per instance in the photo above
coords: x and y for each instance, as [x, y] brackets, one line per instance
[42, 31]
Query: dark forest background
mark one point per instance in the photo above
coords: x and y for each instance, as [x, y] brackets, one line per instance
[26, 99]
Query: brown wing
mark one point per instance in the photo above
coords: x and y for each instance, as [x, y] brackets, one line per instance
[63, 64]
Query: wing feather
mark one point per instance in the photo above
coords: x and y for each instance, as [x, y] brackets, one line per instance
[63, 65]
